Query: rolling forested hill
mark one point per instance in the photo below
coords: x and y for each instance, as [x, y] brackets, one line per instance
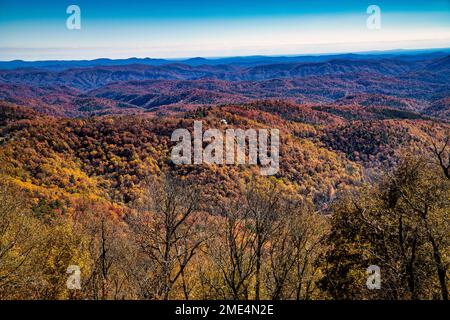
[85, 164]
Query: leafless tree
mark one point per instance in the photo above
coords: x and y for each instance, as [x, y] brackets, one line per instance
[166, 231]
[443, 155]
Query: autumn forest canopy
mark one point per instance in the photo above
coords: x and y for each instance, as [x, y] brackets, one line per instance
[87, 181]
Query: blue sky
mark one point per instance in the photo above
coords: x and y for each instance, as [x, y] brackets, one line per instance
[36, 30]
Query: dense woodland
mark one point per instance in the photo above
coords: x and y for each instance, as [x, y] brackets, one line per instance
[86, 180]
[102, 194]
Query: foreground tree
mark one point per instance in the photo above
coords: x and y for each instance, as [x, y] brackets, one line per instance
[106, 274]
[401, 225]
[442, 154]
[294, 254]
[166, 231]
[20, 239]
[35, 251]
[264, 245]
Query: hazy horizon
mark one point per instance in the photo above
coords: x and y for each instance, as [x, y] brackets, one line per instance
[179, 29]
[397, 51]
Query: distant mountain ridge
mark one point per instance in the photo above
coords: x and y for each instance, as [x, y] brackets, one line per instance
[88, 78]
[59, 65]
[408, 83]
